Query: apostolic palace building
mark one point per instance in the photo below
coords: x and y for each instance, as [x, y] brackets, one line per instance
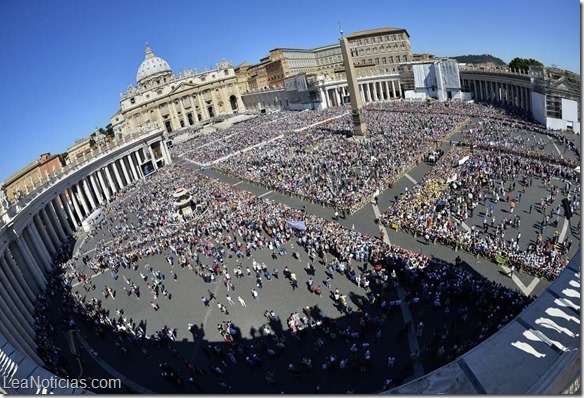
[49, 200]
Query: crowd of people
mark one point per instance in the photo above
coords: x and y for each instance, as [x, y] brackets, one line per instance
[230, 227]
[438, 206]
[217, 244]
[207, 148]
[322, 165]
[503, 136]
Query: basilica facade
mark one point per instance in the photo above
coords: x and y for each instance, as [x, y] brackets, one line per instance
[164, 100]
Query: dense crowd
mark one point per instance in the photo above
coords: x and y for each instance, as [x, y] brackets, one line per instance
[216, 244]
[324, 166]
[231, 225]
[503, 136]
[437, 207]
[213, 146]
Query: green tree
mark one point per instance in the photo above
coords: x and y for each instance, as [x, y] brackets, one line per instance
[109, 130]
[523, 63]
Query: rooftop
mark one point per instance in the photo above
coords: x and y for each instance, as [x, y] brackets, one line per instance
[375, 32]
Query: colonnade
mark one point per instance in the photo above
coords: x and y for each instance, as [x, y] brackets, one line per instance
[382, 90]
[497, 91]
[26, 256]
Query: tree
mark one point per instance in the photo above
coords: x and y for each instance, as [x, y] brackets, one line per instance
[523, 63]
[109, 131]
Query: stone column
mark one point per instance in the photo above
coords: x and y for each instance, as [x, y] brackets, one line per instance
[14, 333]
[82, 200]
[337, 96]
[117, 174]
[152, 157]
[37, 222]
[112, 184]
[369, 98]
[104, 186]
[35, 253]
[56, 222]
[96, 189]
[78, 212]
[61, 216]
[165, 153]
[393, 89]
[184, 111]
[136, 161]
[15, 317]
[132, 168]
[13, 271]
[67, 208]
[375, 98]
[160, 118]
[18, 308]
[174, 113]
[87, 191]
[138, 156]
[15, 291]
[492, 90]
[30, 261]
[38, 246]
[55, 239]
[202, 107]
[124, 171]
[518, 95]
[29, 270]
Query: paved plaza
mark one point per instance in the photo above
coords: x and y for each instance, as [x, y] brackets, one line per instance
[365, 334]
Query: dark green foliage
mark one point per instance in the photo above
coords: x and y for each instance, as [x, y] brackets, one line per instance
[478, 59]
[523, 63]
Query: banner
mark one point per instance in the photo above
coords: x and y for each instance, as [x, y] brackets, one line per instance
[300, 225]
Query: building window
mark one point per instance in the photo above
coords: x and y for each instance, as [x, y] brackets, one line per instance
[132, 100]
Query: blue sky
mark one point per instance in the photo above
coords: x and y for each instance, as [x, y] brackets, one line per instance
[64, 62]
